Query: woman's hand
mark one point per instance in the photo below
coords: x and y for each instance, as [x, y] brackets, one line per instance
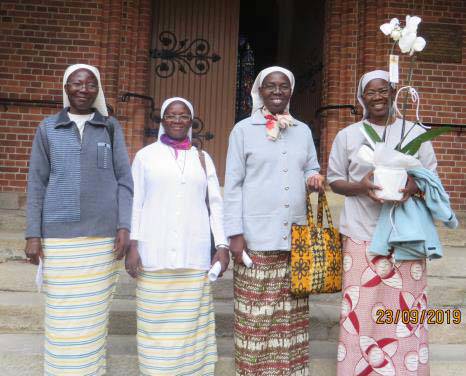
[409, 190]
[237, 246]
[315, 183]
[33, 250]
[121, 243]
[223, 256]
[366, 186]
[133, 263]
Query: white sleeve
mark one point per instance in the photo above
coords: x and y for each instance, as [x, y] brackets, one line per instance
[427, 156]
[215, 202]
[138, 199]
[338, 162]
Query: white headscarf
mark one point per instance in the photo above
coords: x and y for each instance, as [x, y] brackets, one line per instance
[165, 105]
[257, 102]
[99, 102]
[365, 79]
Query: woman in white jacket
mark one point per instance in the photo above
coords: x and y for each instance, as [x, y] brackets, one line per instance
[170, 249]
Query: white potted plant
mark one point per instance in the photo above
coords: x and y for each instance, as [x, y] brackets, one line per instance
[390, 164]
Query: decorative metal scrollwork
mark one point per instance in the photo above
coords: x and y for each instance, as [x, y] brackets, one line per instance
[176, 55]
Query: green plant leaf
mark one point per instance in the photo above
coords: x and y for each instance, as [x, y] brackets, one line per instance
[413, 146]
[371, 133]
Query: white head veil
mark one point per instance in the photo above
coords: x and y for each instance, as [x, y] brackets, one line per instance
[165, 105]
[257, 102]
[365, 79]
[99, 102]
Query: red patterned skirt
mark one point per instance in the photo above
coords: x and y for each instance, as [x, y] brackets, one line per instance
[271, 326]
[374, 337]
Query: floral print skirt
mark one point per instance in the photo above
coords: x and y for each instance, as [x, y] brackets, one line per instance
[376, 337]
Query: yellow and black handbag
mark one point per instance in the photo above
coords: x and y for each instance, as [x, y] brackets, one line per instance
[316, 258]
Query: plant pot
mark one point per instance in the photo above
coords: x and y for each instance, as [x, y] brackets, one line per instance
[391, 180]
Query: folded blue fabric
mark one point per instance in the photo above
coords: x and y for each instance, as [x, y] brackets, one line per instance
[409, 228]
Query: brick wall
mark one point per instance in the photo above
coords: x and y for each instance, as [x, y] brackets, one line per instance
[354, 45]
[39, 39]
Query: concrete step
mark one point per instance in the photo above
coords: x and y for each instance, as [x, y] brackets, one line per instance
[23, 312]
[12, 225]
[21, 355]
[446, 281]
[13, 200]
[12, 245]
[12, 220]
[19, 275]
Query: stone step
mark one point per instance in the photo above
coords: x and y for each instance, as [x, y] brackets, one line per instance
[12, 220]
[13, 200]
[12, 245]
[24, 312]
[19, 275]
[446, 280]
[21, 355]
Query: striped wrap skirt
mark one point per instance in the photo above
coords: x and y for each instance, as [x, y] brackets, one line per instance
[79, 278]
[175, 323]
[271, 326]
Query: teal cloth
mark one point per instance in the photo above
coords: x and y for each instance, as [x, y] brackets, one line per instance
[409, 228]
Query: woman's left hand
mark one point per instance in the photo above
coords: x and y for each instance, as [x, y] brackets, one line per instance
[410, 189]
[222, 255]
[121, 243]
[315, 183]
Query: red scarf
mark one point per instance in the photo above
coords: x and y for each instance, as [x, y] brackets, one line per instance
[276, 123]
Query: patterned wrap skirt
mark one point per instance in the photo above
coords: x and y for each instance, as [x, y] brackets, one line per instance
[79, 276]
[175, 323]
[271, 326]
[374, 337]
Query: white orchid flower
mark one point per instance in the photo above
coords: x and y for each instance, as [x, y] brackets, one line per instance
[406, 42]
[409, 41]
[392, 28]
[412, 24]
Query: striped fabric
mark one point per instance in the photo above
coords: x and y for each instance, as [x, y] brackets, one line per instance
[271, 326]
[176, 323]
[62, 198]
[80, 275]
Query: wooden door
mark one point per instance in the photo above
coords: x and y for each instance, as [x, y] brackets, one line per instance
[182, 30]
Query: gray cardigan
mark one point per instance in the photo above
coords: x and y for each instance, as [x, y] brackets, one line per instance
[265, 182]
[78, 188]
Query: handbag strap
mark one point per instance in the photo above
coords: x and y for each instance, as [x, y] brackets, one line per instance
[321, 206]
[202, 160]
[310, 216]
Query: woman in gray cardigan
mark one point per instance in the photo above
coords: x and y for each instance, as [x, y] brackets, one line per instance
[78, 221]
[271, 158]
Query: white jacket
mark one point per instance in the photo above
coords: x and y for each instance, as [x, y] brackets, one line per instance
[170, 219]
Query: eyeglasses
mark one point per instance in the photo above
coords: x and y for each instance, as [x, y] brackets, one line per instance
[382, 92]
[272, 87]
[90, 86]
[182, 118]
